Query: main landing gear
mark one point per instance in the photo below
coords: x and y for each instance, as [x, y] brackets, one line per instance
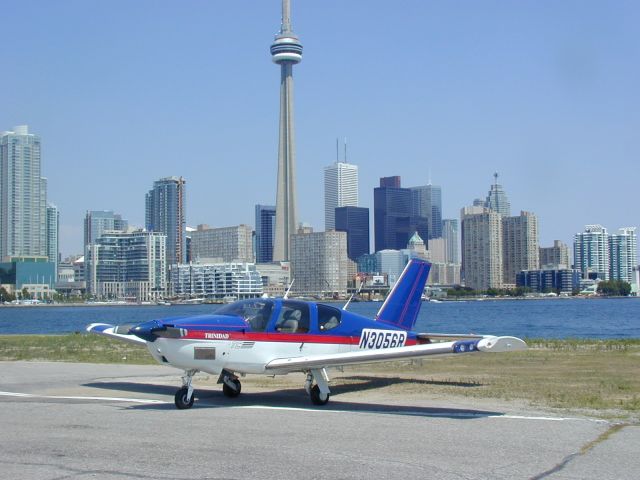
[231, 385]
[319, 393]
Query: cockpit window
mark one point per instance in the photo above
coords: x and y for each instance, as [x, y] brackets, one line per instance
[255, 312]
[328, 317]
[293, 318]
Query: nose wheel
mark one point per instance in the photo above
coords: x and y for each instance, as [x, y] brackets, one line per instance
[184, 396]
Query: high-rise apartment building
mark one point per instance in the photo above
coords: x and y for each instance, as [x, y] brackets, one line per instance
[265, 229]
[319, 263]
[166, 213]
[131, 265]
[53, 233]
[557, 256]
[481, 248]
[394, 223]
[23, 195]
[623, 254]
[520, 249]
[354, 221]
[96, 222]
[426, 201]
[450, 228]
[216, 280]
[227, 244]
[591, 252]
[340, 190]
[497, 199]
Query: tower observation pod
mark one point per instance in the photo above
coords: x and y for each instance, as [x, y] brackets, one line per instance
[286, 51]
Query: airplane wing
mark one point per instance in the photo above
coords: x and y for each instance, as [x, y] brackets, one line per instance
[113, 332]
[487, 344]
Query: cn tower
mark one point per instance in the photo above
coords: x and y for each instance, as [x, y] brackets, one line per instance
[286, 51]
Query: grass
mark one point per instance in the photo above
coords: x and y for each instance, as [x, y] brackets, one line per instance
[596, 376]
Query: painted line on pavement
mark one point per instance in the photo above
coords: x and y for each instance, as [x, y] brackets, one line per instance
[61, 397]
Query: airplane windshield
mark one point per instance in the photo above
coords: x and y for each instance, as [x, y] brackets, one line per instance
[255, 312]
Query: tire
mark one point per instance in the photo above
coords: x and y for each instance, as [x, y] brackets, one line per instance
[181, 399]
[316, 396]
[231, 392]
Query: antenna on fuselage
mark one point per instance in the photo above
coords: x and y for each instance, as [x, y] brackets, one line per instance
[286, 294]
[346, 305]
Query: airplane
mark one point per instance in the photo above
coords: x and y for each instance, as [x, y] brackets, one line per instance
[281, 336]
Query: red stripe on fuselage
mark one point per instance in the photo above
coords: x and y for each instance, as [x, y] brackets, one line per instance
[277, 337]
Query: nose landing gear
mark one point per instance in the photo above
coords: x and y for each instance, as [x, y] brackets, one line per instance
[184, 396]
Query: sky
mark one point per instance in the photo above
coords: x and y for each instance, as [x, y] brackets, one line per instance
[122, 93]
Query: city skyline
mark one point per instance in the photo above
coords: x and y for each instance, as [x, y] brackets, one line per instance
[481, 94]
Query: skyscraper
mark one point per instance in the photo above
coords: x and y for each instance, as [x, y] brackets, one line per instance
[340, 190]
[557, 256]
[481, 248]
[286, 51]
[96, 222]
[23, 195]
[622, 254]
[53, 230]
[394, 223]
[166, 213]
[497, 199]
[426, 201]
[450, 235]
[520, 249]
[354, 221]
[591, 252]
[265, 231]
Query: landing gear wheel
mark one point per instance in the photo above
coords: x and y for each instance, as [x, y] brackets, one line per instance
[317, 396]
[229, 391]
[181, 399]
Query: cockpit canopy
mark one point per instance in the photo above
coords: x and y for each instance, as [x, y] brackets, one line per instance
[289, 316]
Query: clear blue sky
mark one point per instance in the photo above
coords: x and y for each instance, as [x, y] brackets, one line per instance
[124, 92]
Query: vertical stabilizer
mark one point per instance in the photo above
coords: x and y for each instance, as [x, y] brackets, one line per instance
[402, 305]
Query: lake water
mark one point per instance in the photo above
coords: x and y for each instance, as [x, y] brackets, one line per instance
[553, 318]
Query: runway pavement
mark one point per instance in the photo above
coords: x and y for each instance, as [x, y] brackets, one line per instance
[81, 421]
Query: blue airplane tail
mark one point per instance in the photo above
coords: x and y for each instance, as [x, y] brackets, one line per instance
[402, 305]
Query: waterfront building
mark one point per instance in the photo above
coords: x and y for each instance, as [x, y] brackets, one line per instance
[450, 228]
[426, 202]
[557, 255]
[394, 223]
[275, 276]
[443, 273]
[265, 228]
[623, 254]
[520, 250]
[481, 248]
[367, 263]
[228, 244]
[497, 199]
[53, 234]
[564, 280]
[165, 212]
[340, 190]
[319, 263]
[355, 222]
[23, 195]
[286, 51]
[438, 250]
[96, 222]
[591, 252]
[127, 265]
[36, 274]
[220, 281]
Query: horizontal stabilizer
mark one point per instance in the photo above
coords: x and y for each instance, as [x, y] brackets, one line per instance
[114, 332]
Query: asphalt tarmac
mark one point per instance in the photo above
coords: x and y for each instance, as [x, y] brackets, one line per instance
[82, 421]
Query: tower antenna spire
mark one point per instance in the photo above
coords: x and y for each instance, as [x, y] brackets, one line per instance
[345, 150]
[286, 17]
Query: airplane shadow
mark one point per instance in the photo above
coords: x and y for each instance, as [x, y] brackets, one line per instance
[296, 398]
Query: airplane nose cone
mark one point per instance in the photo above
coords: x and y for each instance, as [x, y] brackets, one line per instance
[146, 330]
